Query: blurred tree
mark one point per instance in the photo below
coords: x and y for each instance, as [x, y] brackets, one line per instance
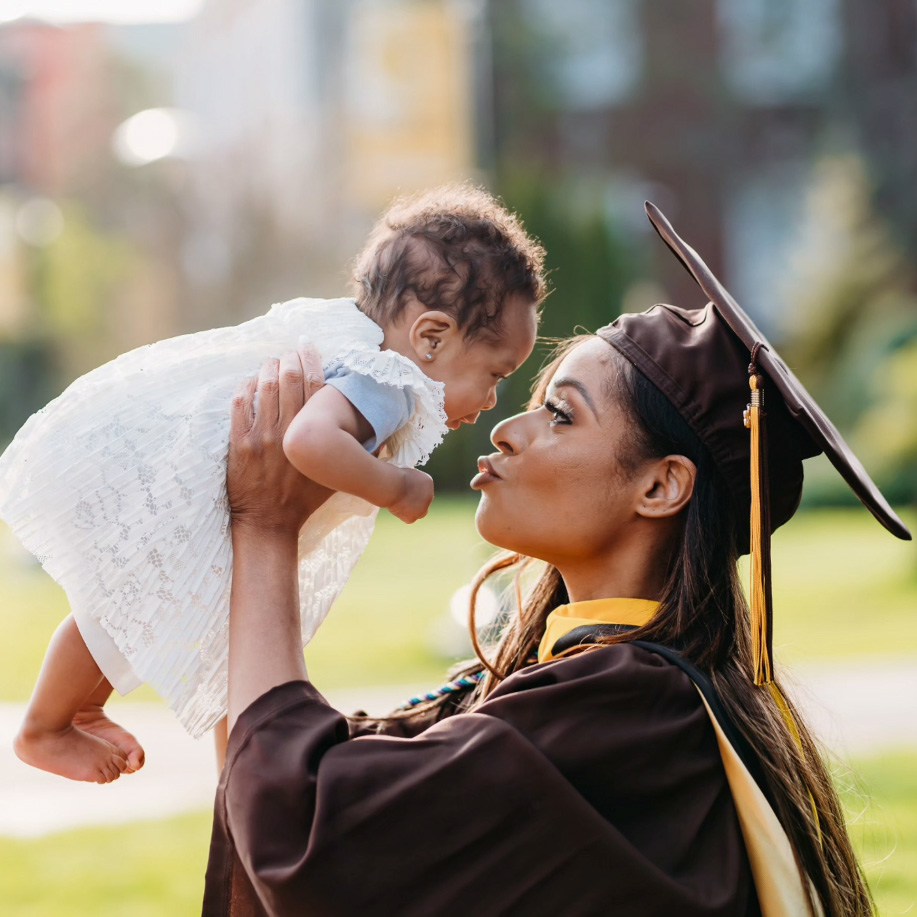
[851, 324]
[590, 266]
[886, 434]
[73, 282]
[27, 382]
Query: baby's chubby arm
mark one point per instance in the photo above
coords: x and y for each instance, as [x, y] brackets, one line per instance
[324, 443]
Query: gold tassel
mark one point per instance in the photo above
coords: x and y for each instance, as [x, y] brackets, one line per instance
[762, 611]
[760, 555]
[760, 540]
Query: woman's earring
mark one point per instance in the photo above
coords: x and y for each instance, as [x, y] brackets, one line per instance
[429, 356]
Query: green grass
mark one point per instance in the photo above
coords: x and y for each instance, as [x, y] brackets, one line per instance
[147, 869]
[843, 587]
[881, 802]
[379, 630]
[153, 868]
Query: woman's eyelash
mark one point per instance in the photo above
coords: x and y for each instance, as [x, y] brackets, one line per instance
[560, 415]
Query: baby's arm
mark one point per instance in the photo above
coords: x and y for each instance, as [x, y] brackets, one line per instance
[324, 443]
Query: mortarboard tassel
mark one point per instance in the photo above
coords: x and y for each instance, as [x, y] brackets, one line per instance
[762, 611]
[760, 541]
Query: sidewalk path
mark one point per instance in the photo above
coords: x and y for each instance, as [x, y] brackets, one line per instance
[859, 709]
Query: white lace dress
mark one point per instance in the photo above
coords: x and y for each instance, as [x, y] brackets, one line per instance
[118, 487]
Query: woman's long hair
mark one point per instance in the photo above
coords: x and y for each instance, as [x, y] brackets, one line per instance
[704, 614]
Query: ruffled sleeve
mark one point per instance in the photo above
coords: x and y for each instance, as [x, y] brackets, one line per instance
[424, 431]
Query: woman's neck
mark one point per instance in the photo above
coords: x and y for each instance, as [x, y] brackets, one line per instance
[637, 571]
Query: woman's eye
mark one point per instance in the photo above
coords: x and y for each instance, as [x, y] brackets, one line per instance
[560, 416]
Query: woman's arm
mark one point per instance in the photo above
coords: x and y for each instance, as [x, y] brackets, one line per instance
[269, 502]
[323, 442]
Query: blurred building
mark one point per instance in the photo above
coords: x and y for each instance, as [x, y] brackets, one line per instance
[55, 120]
[80, 241]
[313, 114]
[715, 109]
[56, 111]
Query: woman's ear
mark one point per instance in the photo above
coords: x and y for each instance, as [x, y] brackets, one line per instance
[668, 486]
[433, 333]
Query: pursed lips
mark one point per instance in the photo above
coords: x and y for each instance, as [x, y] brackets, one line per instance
[486, 474]
[485, 466]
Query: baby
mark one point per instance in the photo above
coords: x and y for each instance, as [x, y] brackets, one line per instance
[118, 485]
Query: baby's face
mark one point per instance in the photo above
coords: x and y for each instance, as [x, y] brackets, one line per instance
[472, 375]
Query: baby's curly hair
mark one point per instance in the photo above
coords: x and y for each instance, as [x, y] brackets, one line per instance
[456, 249]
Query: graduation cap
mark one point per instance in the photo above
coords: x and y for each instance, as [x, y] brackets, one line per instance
[753, 415]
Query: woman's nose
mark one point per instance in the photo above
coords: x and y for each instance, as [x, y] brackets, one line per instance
[508, 435]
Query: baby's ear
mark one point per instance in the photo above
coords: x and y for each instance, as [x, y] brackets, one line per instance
[432, 333]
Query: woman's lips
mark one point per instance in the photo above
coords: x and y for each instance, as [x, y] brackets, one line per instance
[486, 474]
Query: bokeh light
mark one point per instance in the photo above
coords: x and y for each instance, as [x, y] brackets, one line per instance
[153, 134]
[39, 222]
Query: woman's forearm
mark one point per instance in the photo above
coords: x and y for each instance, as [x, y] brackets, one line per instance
[269, 502]
[264, 633]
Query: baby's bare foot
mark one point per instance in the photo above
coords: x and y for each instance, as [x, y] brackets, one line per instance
[71, 753]
[92, 719]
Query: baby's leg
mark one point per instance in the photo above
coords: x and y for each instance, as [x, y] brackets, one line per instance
[48, 739]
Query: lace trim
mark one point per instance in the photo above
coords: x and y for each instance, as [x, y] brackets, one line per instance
[416, 440]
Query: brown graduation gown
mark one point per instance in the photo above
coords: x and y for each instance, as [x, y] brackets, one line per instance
[590, 785]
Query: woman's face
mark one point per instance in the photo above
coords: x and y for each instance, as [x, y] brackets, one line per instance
[556, 490]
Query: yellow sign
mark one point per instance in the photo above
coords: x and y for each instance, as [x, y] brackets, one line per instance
[408, 91]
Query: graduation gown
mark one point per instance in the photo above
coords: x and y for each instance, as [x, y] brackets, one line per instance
[583, 786]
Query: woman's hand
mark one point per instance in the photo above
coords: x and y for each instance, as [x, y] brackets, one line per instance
[265, 492]
[269, 501]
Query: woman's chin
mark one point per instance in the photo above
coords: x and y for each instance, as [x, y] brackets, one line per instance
[486, 521]
[492, 527]
[480, 514]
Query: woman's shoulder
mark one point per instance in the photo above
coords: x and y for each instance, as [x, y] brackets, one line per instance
[624, 725]
[610, 692]
[618, 668]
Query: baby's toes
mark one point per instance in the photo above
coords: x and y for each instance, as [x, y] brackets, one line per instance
[116, 765]
[106, 774]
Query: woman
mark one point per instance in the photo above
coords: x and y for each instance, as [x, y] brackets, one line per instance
[602, 778]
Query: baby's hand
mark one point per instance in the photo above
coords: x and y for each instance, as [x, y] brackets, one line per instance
[416, 496]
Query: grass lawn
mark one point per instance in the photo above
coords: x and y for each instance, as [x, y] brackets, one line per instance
[379, 631]
[153, 868]
[881, 802]
[147, 869]
[843, 587]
